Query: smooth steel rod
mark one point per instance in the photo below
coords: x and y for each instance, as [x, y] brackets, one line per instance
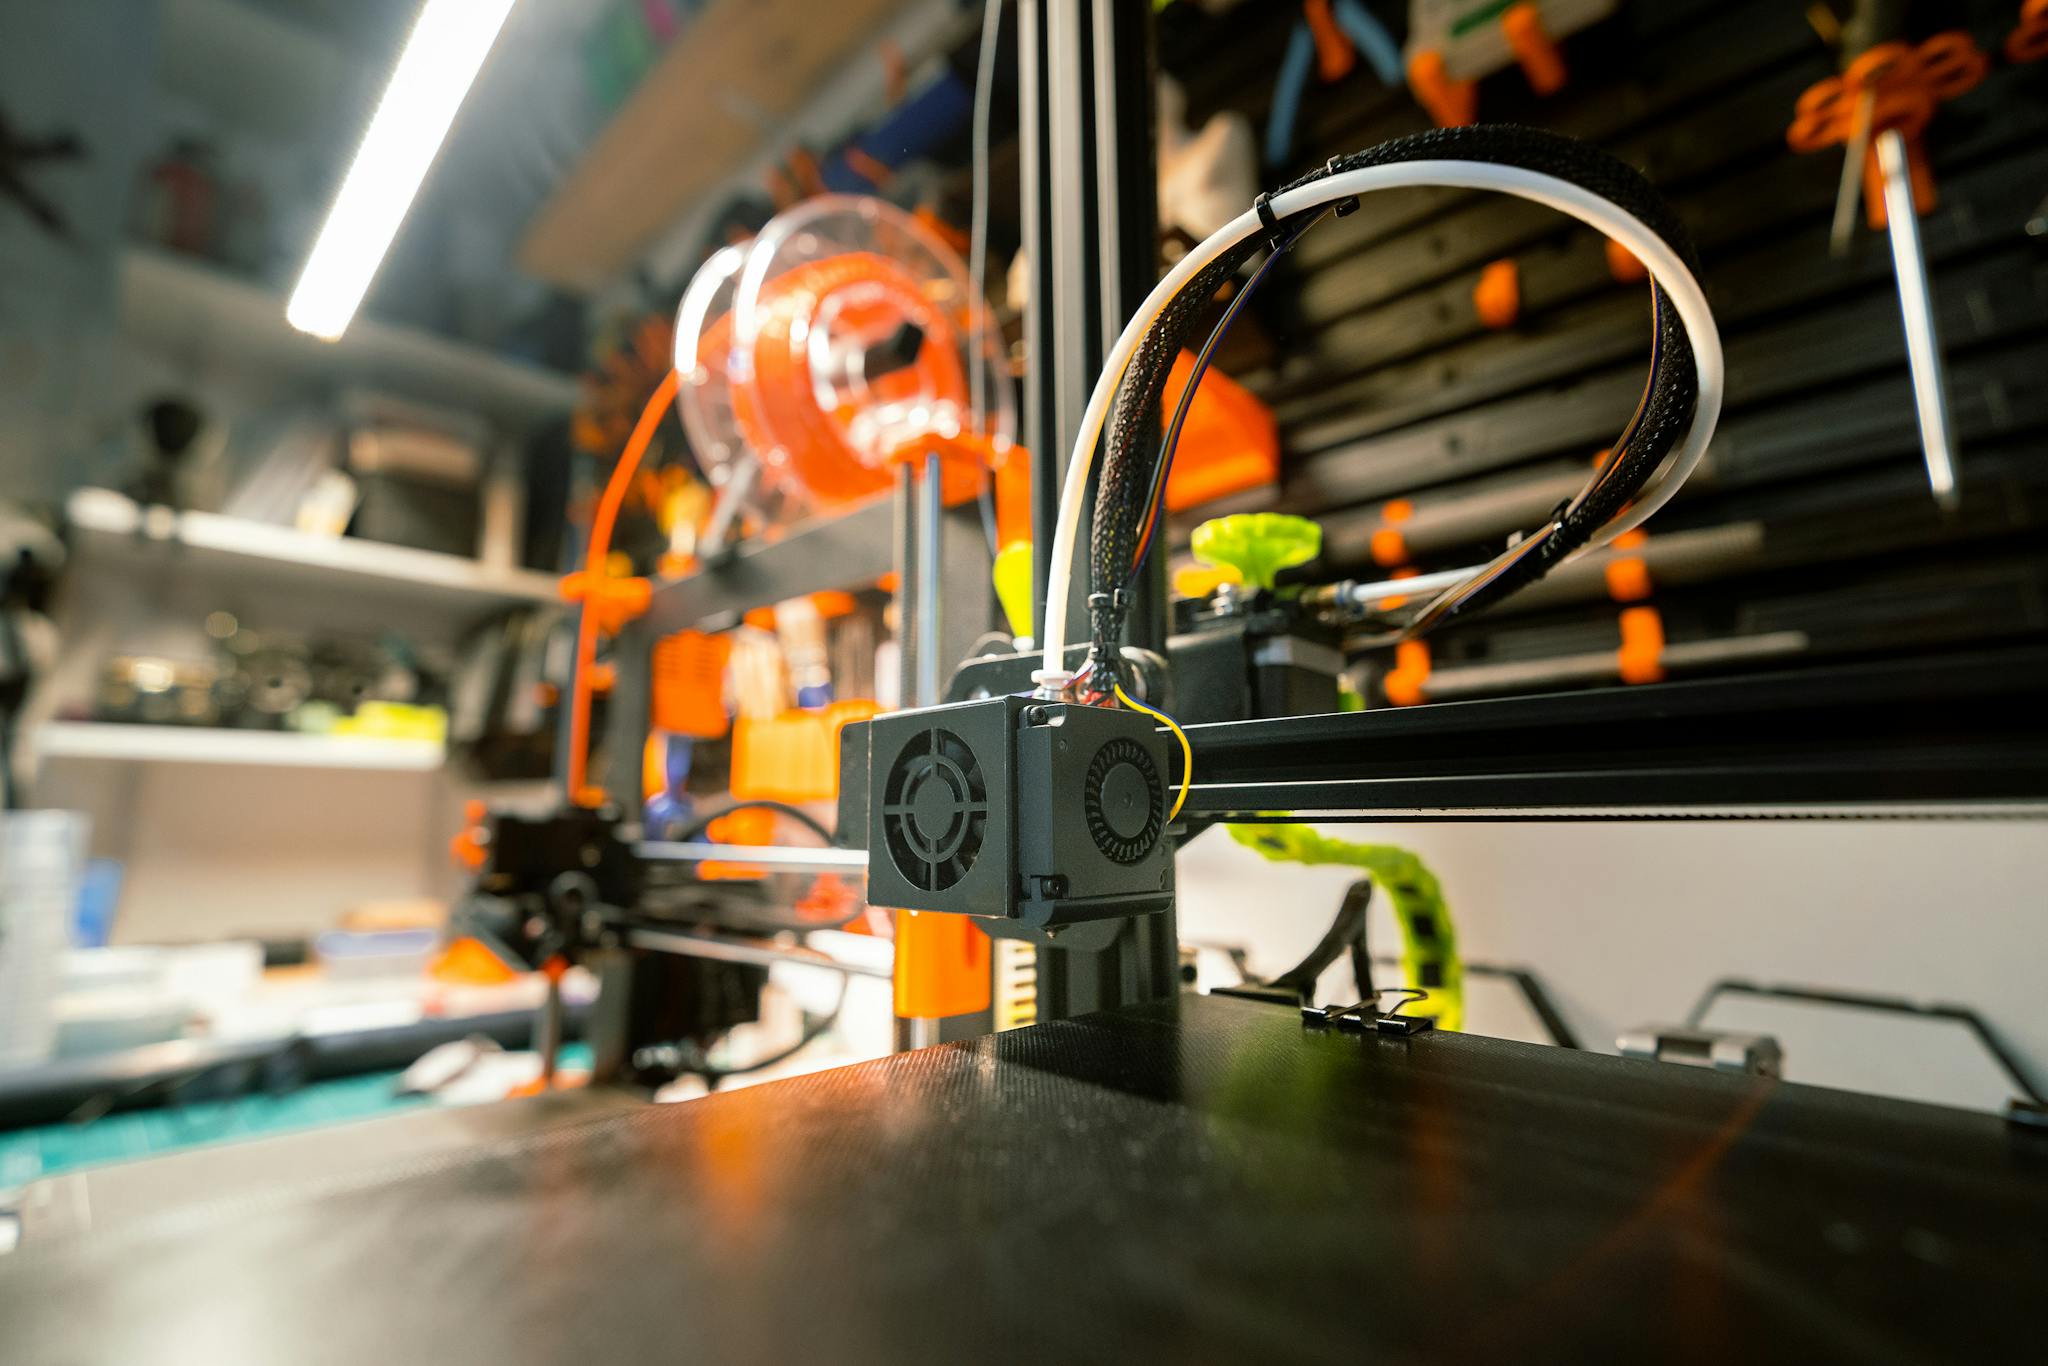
[930, 524]
[784, 858]
[758, 952]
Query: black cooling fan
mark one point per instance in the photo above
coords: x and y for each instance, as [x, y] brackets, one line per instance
[1123, 800]
[1037, 814]
[934, 810]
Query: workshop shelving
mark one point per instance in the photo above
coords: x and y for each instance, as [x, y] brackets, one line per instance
[210, 745]
[109, 526]
[206, 318]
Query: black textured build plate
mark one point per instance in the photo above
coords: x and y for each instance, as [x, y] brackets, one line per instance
[1204, 1181]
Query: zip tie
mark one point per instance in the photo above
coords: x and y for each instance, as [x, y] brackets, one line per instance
[1342, 208]
[1276, 236]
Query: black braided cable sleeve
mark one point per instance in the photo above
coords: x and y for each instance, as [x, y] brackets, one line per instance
[1670, 400]
[1132, 448]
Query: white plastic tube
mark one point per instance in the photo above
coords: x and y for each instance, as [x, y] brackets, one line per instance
[1609, 218]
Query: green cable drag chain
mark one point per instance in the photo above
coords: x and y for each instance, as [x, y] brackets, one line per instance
[1429, 956]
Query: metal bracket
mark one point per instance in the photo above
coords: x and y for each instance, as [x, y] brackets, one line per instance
[1757, 1055]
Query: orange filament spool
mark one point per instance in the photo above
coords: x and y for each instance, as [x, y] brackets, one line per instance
[814, 412]
[848, 345]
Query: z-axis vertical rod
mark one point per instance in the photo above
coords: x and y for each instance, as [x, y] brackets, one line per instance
[1041, 416]
[930, 524]
[903, 531]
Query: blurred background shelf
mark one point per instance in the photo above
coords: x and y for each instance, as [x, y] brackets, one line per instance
[110, 527]
[197, 745]
[202, 315]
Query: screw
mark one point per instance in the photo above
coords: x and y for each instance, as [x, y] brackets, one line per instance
[592, 856]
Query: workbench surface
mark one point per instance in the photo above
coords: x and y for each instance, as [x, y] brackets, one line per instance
[1202, 1180]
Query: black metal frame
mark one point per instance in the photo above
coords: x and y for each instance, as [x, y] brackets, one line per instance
[1878, 738]
[1085, 121]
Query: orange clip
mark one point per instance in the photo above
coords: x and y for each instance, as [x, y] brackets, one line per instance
[1896, 86]
[613, 601]
[1335, 56]
[468, 848]
[1534, 48]
[833, 602]
[1628, 576]
[1623, 265]
[1497, 298]
[1403, 683]
[1453, 104]
[1641, 656]
[1389, 548]
[2029, 41]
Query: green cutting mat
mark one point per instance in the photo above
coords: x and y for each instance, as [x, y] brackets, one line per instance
[26, 1154]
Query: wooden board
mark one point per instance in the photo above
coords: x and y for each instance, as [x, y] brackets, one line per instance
[743, 66]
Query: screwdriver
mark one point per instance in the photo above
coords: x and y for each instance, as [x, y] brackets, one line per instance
[1869, 24]
[1916, 310]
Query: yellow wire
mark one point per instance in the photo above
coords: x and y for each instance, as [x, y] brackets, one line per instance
[1187, 751]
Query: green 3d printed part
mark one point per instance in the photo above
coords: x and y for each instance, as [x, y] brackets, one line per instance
[1429, 955]
[1258, 545]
